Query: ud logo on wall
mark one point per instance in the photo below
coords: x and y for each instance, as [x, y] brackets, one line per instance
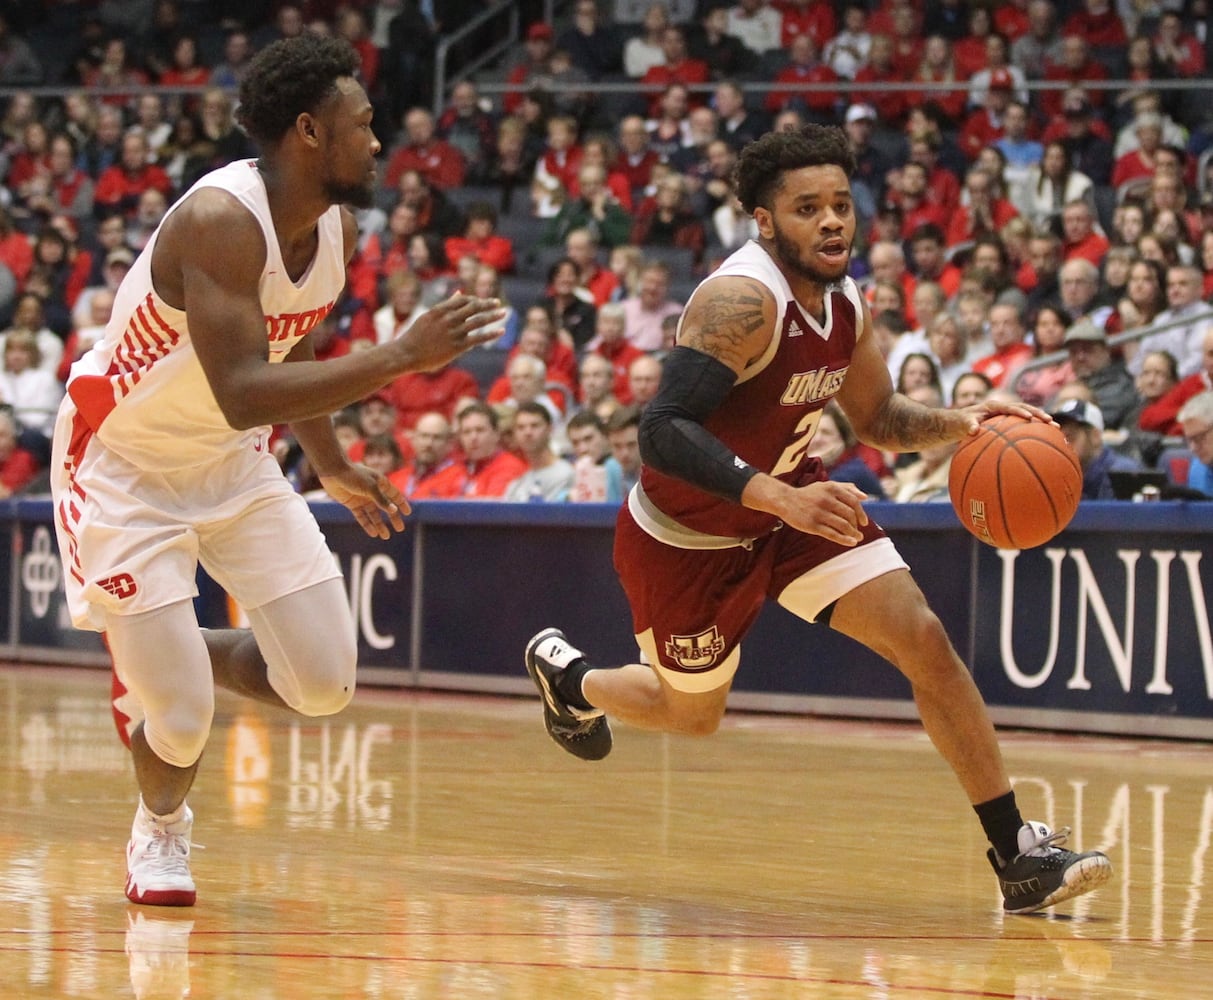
[42, 618]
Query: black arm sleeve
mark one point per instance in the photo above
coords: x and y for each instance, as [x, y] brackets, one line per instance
[672, 436]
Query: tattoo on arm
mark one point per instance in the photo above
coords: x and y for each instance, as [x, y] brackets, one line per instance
[726, 322]
[904, 425]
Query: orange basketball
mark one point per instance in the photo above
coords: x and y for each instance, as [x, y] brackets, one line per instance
[1015, 483]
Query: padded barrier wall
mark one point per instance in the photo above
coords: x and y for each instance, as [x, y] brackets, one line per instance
[1105, 629]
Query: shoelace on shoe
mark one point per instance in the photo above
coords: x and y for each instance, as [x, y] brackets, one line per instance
[1049, 845]
[167, 852]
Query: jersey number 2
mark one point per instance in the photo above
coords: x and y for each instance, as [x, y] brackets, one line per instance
[793, 454]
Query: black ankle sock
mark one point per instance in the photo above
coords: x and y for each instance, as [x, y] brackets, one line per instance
[568, 684]
[1001, 821]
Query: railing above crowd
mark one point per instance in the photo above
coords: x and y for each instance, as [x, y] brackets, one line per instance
[486, 49]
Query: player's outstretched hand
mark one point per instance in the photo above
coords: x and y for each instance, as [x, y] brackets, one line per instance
[449, 328]
[831, 510]
[377, 505]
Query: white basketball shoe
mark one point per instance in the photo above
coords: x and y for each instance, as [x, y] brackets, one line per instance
[158, 860]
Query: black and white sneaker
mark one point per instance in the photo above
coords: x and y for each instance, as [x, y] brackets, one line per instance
[1043, 874]
[582, 732]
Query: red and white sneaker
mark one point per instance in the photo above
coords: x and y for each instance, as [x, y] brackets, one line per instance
[158, 860]
[128, 713]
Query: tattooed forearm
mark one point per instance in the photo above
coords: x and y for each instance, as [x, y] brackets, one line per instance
[725, 323]
[904, 425]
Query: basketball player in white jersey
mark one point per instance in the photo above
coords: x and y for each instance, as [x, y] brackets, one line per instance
[731, 510]
[161, 459]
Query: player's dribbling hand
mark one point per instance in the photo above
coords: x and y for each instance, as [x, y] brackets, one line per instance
[449, 328]
[991, 407]
[831, 510]
[377, 505]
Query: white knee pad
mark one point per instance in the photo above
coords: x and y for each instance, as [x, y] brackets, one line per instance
[162, 659]
[310, 648]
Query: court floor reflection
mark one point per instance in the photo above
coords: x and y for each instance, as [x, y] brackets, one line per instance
[427, 846]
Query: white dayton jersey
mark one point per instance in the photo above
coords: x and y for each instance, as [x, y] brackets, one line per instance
[142, 391]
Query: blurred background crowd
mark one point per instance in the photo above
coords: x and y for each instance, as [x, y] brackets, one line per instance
[1034, 191]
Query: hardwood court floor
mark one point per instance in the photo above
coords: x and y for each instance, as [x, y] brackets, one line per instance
[426, 846]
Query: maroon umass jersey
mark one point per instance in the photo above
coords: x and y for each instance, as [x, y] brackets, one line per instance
[770, 415]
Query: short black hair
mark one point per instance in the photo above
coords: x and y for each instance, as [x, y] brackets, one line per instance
[536, 409]
[288, 78]
[623, 418]
[585, 418]
[763, 163]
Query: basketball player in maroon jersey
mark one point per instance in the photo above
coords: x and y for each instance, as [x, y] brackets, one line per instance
[730, 511]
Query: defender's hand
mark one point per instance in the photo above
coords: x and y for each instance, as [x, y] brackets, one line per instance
[453, 326]
[377, 505]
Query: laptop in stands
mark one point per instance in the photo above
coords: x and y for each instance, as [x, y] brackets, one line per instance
[1126, 485]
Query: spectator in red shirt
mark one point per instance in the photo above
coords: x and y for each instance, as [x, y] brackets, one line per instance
[890, 105]
[481, 240]
[351, 24]
[970, 50]
[928, 252]
[17, 466]
[1138, 164]
[442, 390]
[985, 214]
[536, 63]
[943, 186]
[436, 160]
[483, 470]
[119, 187]
[984, 127]
[599, 150]
[581, 247]
[114, 72]
[16, 251]
[1082, 237]
[909, 192]
[469, 128]
[431, 440]
[435, 211]
[561, 158]
[805, 66]
[998, 65]
[1011, 350]
[186, 69]
[1011, 19]
[679, 67]
[28, 158]
[806, 17]
[907, 40]
[539, 338]
[636, 158]
[1179, 54]
[611, 342]
[385, 253]
[938, 66]
[65, 188]
[1076, 68]
[1099, 24]
[666, 219]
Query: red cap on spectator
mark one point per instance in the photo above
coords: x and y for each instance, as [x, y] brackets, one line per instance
[539, 30]
[1000, 79]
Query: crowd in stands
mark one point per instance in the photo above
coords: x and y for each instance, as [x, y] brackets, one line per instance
[1034, 186]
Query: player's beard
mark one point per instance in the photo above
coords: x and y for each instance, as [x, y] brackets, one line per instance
[358, 195]
[789, 257]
